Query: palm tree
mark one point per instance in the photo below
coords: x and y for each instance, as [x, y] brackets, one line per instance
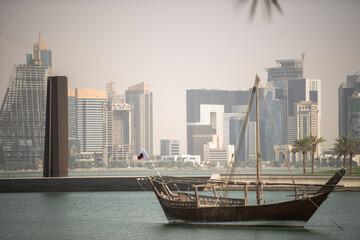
[269, 5]
[301, 145]
[342, 147]
[353, 150]
[313, 142]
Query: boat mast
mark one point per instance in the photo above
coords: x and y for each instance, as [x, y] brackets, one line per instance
[258, 153]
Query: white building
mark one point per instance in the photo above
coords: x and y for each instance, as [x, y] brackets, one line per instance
[195, 159]
[307, 121]
[215, 152]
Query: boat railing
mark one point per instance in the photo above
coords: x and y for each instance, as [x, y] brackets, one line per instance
[210, 200]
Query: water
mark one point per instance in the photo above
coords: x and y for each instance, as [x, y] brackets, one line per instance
[138, 215]
[144, 172]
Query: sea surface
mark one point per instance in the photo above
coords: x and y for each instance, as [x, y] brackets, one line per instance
[138, 215]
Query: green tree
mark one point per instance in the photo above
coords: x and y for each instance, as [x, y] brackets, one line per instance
[313, 142]
[353, 150]
[301, 145]
[342, 147]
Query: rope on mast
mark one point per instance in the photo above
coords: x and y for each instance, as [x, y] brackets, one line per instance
[276, 131]
[239, 141]
[325, 214]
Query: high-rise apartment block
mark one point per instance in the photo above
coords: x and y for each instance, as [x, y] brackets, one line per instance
[169, 147]
[23, 110]
[348, 104]
[140, 97]
[85, 118]
[306, 119]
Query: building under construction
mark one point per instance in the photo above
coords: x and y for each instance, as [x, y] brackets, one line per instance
[23, 110]
[118, 128]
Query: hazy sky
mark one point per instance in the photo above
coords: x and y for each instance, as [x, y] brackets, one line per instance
[174, 45]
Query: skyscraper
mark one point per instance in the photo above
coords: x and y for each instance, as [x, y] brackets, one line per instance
[197, 97]
[354, 116]
[307, 121]
[270, 127]
[306, 118]
[140, 97]
[289, 69]
[302, 90]
[22, 113]
[71, 114]
[88, 119]
[290, 88]
[345, 91]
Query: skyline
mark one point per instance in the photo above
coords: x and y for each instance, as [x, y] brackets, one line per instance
[175, 45]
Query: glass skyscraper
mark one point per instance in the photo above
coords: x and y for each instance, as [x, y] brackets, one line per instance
[345, 91]
[140, 97]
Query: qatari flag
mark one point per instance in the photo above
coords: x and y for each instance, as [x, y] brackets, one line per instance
[140, 156]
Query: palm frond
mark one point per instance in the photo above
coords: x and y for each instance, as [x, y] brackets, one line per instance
[268, 4]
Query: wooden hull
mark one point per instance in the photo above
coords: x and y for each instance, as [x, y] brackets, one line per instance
[293, 213]
[196, 209]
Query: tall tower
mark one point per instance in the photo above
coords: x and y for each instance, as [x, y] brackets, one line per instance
[354, 116]
[345, 91]
[289, 69]
[140, 97]
[291, 88]
[88, 119]
[23, 110]
[306, 119]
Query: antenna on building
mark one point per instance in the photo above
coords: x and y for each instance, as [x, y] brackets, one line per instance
[356, 72]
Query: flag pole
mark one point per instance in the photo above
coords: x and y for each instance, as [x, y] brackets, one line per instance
[144, 153]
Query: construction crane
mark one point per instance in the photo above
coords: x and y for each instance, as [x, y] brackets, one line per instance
[15, 40]
[106, 76]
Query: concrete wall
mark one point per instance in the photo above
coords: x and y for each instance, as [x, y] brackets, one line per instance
[77, 184]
